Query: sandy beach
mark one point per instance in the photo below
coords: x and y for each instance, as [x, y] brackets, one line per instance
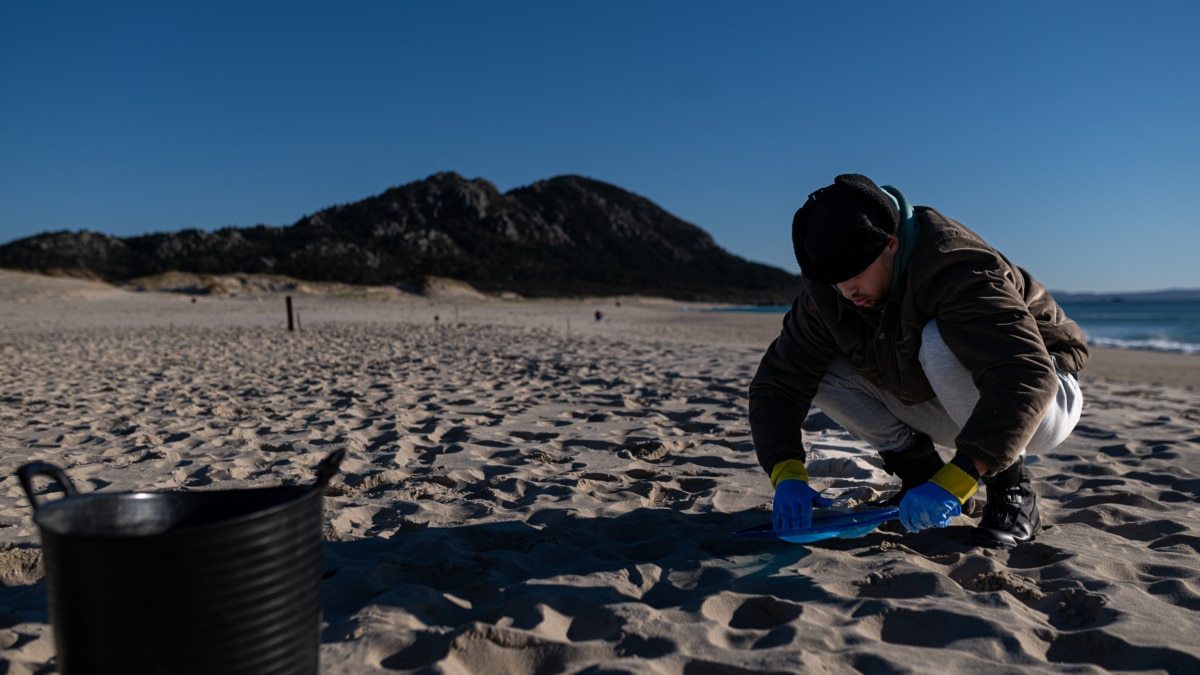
[532, 487]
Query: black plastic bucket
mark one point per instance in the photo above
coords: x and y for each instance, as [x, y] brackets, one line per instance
[223, 581]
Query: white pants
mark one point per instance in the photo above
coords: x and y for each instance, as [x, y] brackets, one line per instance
[878, 418]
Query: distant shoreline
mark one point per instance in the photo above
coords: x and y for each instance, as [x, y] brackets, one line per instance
[25, 287]
[1170, 295]
[1124, 325]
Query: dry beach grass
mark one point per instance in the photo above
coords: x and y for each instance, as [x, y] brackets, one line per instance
[529, 489]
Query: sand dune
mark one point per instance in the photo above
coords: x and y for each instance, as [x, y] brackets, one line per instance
[531, 490]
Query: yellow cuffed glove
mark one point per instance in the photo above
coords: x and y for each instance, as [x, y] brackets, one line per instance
[934, 503]
[795, 499]
[957, 482]
[788, 469]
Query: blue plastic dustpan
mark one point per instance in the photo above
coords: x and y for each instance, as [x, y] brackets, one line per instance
[844, 525]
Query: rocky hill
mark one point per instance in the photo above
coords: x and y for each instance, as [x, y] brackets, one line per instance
[562, 236]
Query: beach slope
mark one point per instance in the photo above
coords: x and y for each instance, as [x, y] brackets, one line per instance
[545, 487]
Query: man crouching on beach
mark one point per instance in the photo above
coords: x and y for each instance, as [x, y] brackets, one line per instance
[910, 331]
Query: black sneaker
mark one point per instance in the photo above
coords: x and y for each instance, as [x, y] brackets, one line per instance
[1010, 516]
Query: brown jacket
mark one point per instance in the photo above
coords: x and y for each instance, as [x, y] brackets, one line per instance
[1000, 322]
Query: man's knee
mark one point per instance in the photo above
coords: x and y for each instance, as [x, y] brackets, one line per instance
[1061, 417]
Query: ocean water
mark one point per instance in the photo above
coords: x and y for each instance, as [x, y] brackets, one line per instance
[1154, 326]
[1157, 326]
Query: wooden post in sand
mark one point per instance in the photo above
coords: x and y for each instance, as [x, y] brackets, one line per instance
[291, 325]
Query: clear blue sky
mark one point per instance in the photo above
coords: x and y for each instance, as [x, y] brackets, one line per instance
[1063, 132]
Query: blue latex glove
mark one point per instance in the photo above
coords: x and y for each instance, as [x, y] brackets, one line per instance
[794, 502]
[928, 505]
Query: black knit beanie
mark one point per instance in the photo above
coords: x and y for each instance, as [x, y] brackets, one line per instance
[842, 229]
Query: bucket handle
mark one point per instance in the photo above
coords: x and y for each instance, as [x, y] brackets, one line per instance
[325, 472]
[34, 469]
[328, 467]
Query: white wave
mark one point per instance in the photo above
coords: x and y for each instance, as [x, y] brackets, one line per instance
[1154, 345]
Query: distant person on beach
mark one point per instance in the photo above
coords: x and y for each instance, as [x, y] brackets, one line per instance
[910, 331]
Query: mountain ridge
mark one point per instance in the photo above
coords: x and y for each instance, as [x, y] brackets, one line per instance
[566, 235]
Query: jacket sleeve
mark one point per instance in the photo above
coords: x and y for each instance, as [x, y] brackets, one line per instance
[986, 322]
[786, 382]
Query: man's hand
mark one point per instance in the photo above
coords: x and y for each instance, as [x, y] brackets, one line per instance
[928, 505]
[794, 502]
